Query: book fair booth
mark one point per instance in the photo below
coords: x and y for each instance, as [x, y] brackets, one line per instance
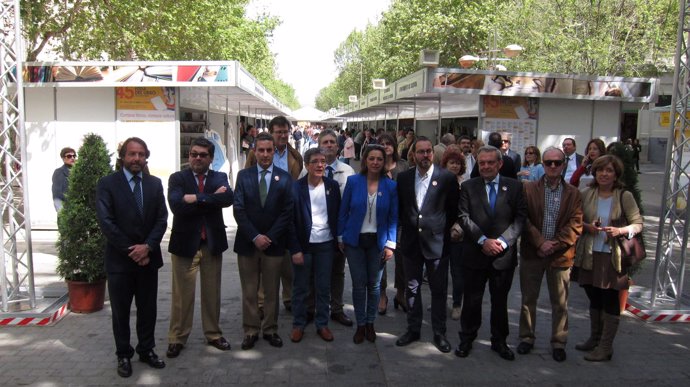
[539, 109]
[164, 103]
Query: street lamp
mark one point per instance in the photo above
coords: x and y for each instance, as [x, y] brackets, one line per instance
[510, 51]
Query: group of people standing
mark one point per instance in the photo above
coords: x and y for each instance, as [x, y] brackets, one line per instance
[301, 217]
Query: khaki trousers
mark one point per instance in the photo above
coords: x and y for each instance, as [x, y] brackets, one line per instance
[256, 269]
[557, 281]
[285, 280]
[184, 273]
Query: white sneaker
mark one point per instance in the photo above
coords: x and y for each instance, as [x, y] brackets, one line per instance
[455, 314]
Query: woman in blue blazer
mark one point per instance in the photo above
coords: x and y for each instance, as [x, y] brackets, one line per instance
[367, 226]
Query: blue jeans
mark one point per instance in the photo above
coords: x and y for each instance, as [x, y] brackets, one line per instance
[365, 269]
[318, 261]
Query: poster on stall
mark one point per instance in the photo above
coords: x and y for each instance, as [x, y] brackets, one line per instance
[145, 104]
[514, 115]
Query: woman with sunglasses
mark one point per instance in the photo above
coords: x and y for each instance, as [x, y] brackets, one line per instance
[367, 229]
[532, 169]
[609, 211]
[583, 176]
[393, 166]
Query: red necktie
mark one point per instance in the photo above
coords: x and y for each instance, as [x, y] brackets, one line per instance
[201, 190]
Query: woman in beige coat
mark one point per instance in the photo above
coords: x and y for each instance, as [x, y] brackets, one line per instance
[598, 265]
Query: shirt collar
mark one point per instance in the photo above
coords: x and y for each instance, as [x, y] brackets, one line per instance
[129, 174]
[428, 173]
[495, 180]
[269, 169]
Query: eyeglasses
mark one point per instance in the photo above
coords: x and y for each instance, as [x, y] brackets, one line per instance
[529, 153]
[195, 155]
[317, 162]
[424, 151]
[70, 156]
[505, 141]
[551, 163]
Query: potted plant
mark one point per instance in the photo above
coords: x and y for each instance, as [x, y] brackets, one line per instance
[631, 180]
[81, 245]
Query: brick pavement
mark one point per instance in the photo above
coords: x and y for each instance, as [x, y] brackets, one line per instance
[79, 350]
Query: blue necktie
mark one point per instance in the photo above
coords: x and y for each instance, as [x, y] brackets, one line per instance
[492, 195]
[329, 174]
[137, 194]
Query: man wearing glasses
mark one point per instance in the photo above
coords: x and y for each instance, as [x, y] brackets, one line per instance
[61, 176]
[554, 222]
[505, 149]
[197, 196]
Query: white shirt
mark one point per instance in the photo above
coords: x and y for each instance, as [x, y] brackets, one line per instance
[469, 163]
[570, 167]
[421, 185]
[369, 224]
[320, 231]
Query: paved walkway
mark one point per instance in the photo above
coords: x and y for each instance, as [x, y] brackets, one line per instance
[79, 350]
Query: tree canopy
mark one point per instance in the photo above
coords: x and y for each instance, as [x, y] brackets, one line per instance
[598, 37]
[155, 30]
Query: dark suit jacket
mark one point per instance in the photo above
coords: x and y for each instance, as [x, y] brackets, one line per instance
[299, 239]
[477, 220]
[122, 225]
[517, 160]
[427, 228]
[507, 170]
[185, 238]
[273, 219]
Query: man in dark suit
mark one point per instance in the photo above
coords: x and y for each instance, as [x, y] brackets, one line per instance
[132, 215]
[505, 150]
[573, 160]
[263, 209]
[197, 196]
[492, 214]
[507, 168]
[428, 202]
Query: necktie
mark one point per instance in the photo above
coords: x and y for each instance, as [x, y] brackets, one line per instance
[567, 161]
[329, 173]
[137, 194]
[201, 190]
[263, 187]
[492, 195]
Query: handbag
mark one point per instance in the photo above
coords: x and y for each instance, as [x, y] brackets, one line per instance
[632, 250]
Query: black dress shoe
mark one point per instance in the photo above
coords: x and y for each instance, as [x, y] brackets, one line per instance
[558, 354]
[341, 318]
[441, 343]
[288, 306]
[220, 343]
[463, 349]
[174, 350]
[503, 351]
[249, 341]
[524, 348]
[274, 340]
[407, 338]
[124, 367]
[151, 359]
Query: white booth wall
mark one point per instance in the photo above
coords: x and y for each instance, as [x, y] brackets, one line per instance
[60, 117]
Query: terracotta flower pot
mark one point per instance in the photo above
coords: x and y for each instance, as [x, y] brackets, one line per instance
[86, 297]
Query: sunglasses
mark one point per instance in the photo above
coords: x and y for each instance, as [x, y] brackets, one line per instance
[552, 163]
[529, 153]
[70, 156]
[195, 155]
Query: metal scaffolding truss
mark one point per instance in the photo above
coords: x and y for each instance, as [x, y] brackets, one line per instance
[16, 268]
[671, 249]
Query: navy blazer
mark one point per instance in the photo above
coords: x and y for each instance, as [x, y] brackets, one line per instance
[273, 219]
[427, 229]
[122, 224]
[476, 219]
[353, 209]
[185, 238]
[299, 239]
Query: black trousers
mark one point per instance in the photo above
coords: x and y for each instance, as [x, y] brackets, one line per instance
[142, 286]
[437, 271]
[474, 284]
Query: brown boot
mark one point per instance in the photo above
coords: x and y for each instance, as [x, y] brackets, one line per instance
[370, 333]
[604, 351]
[595, 323]
[358, 338]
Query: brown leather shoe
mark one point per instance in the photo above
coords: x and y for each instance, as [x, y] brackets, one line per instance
[220, 343]
[296, 334]
[174, 350]
[370, 333]
[325, 333]
[341, 318]
[358, 338]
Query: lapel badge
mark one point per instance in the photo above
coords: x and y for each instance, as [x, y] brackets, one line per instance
[277, 178]
[504, 188]
[328, 192]
[380, 194]
[434, 183]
